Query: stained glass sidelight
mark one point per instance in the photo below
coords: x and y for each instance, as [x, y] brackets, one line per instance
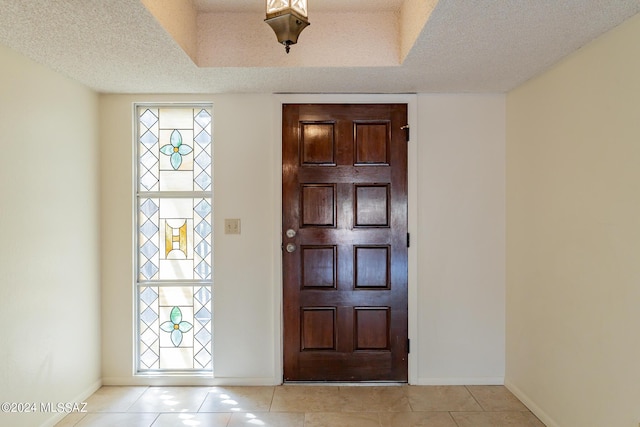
[175, 327]
[174, 238]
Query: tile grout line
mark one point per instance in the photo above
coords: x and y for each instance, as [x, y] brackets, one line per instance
[474, 398]
[209, 389]
[273, 395]
[409, 399]
[78, 422]
[229, 420]
[138, 398]
[453, 418]
[155, 419]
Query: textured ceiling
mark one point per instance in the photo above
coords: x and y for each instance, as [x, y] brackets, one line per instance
[117, 46]
[321, 5]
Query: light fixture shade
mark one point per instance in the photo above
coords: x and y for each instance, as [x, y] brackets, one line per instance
[282, 6]
[287, 18]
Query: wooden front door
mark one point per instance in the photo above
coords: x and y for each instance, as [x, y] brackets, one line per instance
[344, 193]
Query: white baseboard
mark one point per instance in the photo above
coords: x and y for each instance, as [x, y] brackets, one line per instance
[529, 403]
[461, 381]
[168, 380]
[82, 397]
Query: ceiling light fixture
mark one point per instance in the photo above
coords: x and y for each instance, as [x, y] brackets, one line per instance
[287, 18]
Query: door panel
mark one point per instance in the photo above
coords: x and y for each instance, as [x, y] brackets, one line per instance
[345, 261]
[318, 266]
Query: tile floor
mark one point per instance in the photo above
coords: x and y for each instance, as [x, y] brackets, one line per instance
[304, 406]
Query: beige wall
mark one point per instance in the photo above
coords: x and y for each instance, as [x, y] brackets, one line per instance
[49, 223]
[573, 236]
[461, 237]
[457, 205]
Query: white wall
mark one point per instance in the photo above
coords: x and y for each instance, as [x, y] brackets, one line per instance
[244, 286]
[458, 307]
[461, 237]
[49, 223]
[573, 227]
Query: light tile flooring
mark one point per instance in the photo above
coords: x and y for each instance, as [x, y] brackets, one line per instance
[304, 406]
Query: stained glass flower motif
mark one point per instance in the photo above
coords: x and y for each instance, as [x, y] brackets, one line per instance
[176, 326]
[176, 149]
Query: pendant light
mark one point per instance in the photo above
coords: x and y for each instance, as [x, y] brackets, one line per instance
[287, 18]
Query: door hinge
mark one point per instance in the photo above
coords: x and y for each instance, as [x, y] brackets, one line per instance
[408, 240]
[406, 131]
[408, 346]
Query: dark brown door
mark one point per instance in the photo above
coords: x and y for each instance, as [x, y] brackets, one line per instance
[344, 195]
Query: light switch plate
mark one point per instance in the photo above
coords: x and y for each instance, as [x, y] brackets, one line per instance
[232, 226]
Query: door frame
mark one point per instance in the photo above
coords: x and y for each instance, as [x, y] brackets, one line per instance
[412, 175]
